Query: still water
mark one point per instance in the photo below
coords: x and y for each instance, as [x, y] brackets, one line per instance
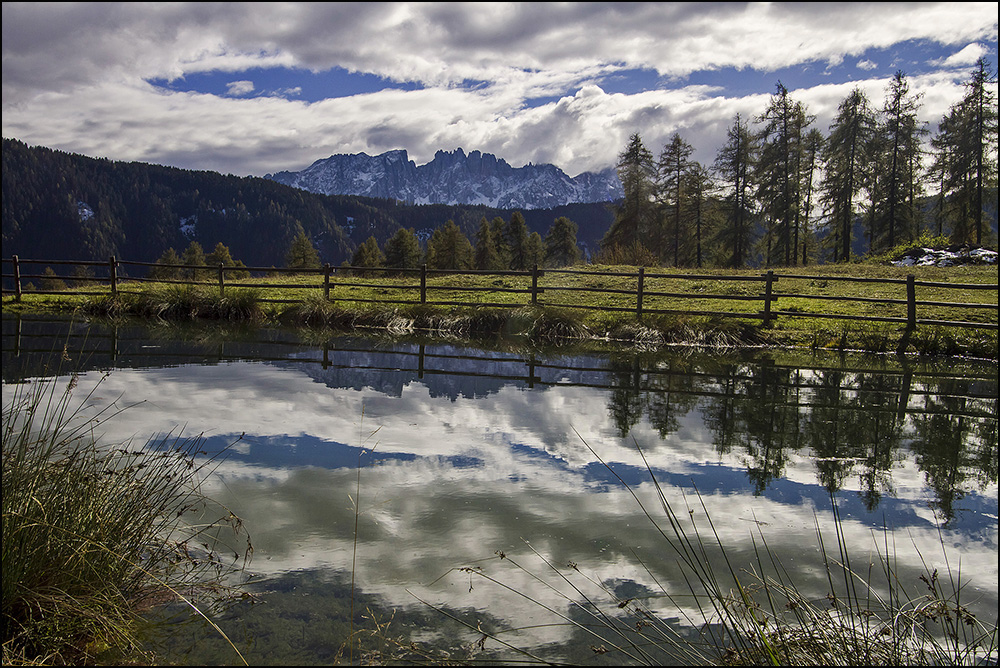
[456, 456]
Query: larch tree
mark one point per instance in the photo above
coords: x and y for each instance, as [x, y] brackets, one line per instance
[487, 257]
[636, 216]
[672, 171]
[449, 248]
[851, 134]
[402, 250]
[967, 146]
[301, 253]
[517, 241]
[368, 256]
[734, 165]
[777, 172]
[561, 248]
[902, 134]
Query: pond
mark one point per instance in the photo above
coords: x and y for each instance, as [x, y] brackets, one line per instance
[447, 494]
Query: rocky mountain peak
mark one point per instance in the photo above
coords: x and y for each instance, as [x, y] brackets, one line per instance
[453, 177]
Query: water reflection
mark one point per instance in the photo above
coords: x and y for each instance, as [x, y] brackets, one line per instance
[465, 452]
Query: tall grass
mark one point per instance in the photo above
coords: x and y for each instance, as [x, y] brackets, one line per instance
[94, 533]
[728, 613]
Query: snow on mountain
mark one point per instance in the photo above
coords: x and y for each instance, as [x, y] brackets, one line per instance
[453, 178]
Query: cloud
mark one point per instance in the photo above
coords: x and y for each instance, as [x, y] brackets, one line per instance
[867, 65]
[74, 75]
[967, 56]
[239, 88]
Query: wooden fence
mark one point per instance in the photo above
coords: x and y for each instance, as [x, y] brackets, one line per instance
[640, 297]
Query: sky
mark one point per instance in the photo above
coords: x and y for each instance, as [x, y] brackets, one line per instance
[255, 88]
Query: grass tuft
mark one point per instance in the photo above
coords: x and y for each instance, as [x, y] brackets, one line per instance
[94, 533]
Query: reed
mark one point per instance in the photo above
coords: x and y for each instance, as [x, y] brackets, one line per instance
[95, 533]
[726, 613]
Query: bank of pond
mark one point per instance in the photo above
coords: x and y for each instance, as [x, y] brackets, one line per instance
[428, 499]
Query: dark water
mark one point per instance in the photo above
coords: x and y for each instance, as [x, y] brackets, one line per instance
[461, 453]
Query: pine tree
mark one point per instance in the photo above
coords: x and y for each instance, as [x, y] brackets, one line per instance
[966, 147]
[517, 241]
[169, 256]
[852, 131]
[777, 175]
[699, 187]
[561, 248]
[194, 256]
[534, 251]
[902, 137]
[402, 250]
[301, 253]
[219, 255]
[448, 248]
[673, 168]
[499, 228]
[368, 256]
[487, 257]
[635, 218]
[813, 147]
[735, 165]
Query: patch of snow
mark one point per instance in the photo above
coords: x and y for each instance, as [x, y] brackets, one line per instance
[187, 226]
[956, 255]
[84, 211]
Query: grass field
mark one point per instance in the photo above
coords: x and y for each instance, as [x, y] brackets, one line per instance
[678, 306]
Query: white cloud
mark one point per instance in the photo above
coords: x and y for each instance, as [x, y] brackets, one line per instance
[239, 88]
[966, 56]
[867, 65]
[74, 75]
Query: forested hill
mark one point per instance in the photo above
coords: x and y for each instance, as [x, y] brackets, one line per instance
[59, 205]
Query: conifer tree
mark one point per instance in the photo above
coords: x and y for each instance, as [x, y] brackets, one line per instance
[219, 255]
[169, 256]
[777, 176]
[845, 156]
[966, 146]
[902, 134]
[368, 256]
[448, 248]
[673, 168]
[561, 248]
[486, 257]
[735, 165]
[402, 250]
[635, 218]
[301, 253]
[534, 251]
[517, 242]
[194, 255]
[499, 228]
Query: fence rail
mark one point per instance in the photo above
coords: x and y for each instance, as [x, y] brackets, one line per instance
[643, 292]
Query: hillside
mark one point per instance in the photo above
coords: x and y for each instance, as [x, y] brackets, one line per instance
[60, 205]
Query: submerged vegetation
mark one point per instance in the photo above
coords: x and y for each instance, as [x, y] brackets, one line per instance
[94, 534]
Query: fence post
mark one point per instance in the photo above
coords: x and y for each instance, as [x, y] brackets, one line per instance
[911, 303]
[222, 287]
[423, 284]
[17, 280]
[769, 279]
[326, 281]
[638, 293]
[113, 267]
[534, 284]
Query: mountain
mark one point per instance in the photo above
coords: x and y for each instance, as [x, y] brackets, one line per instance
[64, 206]
[453, 178]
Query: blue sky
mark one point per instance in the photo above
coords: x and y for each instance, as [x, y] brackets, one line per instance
[255, 88]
